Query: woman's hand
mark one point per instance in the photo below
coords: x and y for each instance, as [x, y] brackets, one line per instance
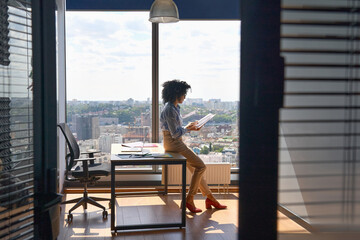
[192, 126]
[189, 125]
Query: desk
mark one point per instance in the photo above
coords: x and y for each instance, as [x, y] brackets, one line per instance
[147, 160]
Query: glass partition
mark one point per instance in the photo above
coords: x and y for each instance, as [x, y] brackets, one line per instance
[16, 121]
[319, 142]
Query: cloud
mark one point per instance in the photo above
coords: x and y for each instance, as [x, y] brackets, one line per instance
[109, 56]
[205, 54]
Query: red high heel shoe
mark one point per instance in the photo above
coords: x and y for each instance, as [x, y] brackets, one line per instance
[192, 208]
[217, 205]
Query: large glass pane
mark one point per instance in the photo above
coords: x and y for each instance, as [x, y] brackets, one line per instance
[206, 55]
[16, 121]
[319, 122]
[108, 78]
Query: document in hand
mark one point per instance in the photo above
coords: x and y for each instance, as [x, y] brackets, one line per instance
[204, 120]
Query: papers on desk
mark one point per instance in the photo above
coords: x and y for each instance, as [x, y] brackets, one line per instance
[135, 155]
[161, 155]
[145, 155]
[134, 151]
[136, 145]
[131, 149]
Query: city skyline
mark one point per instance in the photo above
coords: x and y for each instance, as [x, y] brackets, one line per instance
[160, 101]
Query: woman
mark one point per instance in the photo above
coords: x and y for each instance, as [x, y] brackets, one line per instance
[173, 94]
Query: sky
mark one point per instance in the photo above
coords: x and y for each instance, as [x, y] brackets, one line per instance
[108, 56]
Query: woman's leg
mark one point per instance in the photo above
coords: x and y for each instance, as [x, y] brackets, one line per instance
[195, 165]
[197, 168]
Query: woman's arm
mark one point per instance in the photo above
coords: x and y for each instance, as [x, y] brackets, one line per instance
[174, 123]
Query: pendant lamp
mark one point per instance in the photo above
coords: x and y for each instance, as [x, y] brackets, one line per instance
[164, 11]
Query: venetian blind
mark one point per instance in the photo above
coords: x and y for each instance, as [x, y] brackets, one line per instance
[16, 127]
[319, 128]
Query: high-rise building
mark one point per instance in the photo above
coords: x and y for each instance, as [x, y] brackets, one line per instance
[87, 127]
[95, 127]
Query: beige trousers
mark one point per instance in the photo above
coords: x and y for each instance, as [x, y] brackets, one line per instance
[195, 165]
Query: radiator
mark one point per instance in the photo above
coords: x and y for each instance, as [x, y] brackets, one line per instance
[216, 173]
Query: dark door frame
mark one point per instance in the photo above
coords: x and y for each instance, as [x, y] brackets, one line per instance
[261, 97]
[45, 117]
[261, 92]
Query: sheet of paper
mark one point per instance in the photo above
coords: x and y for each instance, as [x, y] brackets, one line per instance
[139, 145]
[131, 149]
[204, 120]
[134, 150]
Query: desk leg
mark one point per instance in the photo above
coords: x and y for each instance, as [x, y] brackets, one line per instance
[183, 202]
[113, 197]
[166, 179]
[91, 155]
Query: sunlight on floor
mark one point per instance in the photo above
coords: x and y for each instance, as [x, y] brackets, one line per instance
[209, 224]
[139, 201]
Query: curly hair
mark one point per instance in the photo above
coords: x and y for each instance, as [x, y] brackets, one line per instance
[174, 89]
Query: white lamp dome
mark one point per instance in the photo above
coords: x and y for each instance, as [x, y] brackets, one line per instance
[164, 11]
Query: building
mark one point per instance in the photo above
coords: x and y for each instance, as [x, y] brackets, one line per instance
[106, 140]
[145, 119]
[224, 128]
[87, 127]
[108, 121]
[193, 101]
[88, 144]
[136, 134]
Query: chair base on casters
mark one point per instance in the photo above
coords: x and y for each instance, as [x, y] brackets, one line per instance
[83, 201]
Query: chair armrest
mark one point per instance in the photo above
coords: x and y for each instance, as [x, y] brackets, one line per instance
[83, 159]
[85, 164]
[91, 152]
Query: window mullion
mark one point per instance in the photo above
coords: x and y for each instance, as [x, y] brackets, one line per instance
[155, 86]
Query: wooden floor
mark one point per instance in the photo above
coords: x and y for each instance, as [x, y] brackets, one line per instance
[209, 224]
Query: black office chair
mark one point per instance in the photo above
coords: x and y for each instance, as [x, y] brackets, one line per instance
[87, 173]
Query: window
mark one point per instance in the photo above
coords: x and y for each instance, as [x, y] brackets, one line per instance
[206, 55]
[108, 78]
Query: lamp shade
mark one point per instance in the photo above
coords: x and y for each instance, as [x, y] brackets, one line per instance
[164, 11]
